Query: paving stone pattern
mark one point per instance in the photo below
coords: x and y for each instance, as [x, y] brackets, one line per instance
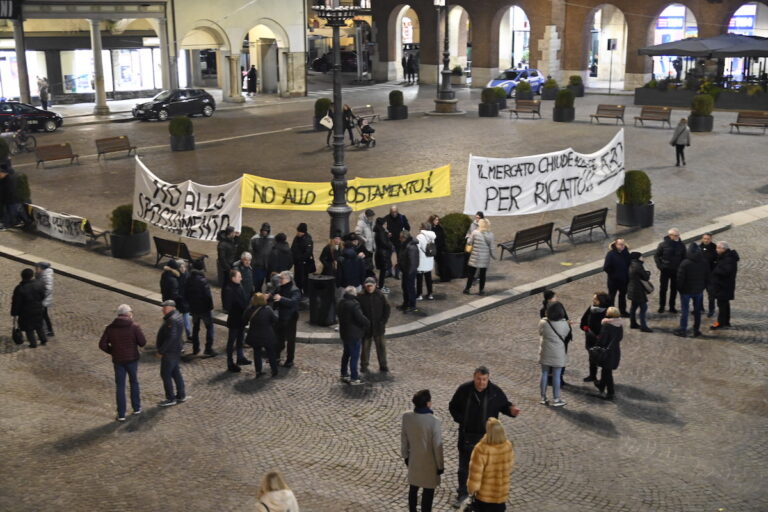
[686, 433]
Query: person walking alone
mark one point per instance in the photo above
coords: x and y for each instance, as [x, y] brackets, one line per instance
[44, 273]
[637, 292]
[376, 309]
[692, 277]
[421, 446]
[490, 468]
[122, 339]
[481, 255]
[27, 307]
[251, 80]
[169, 344]
[616, 265]
[352, 327]
[680, 139]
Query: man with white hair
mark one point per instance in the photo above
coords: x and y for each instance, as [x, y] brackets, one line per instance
[669, 254]
[723, 283]
[286, 300]
[352, 327]
[122, 339]
[243, 265]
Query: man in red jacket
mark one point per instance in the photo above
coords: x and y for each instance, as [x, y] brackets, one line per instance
[122, 339]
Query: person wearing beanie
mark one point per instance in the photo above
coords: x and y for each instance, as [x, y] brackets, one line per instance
[261, 246]
[639, 283]
[27, 307]
[376, 309]
[198, 296]
[302, 250]
[44, 273]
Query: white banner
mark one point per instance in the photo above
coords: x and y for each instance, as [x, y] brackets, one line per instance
[58, 225]
[186, 209]
[540, 183]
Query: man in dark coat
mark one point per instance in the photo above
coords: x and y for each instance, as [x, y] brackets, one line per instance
[709, 250]
[251, 79]
[261, 248]
[616, 265]
[471, 406]
[330, 256]
[198, 297]
[692, 277]
[303, 260]
[395, 223]
[169, 347]
[353, 325]
[376, 309]
[408, 258]
[236, 302]
[591, 325]
[724, 283]
[637, 293]
[226, 252]
[280, 257]
[669, 255]
[286, 300]
[243, 265]
[262, 322]
[170, 288]
[351, 267]
[27, 307]
[122, 339]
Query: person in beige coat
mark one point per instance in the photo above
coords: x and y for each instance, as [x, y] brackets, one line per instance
[480, 258]
[422, 448]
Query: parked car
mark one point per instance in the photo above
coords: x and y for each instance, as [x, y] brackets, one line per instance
[36, 118]
[176, 102]
[324, 63]
[509, 79]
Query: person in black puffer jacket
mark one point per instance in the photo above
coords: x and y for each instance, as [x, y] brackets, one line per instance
[591, 323]
[616, 265]
[724, 283]
[302, 250]
[636, 292]
[611, 334]
[692, 277]
[384, 248]
[352, 327]
[669, 255]
[408, 260]
[169, 282]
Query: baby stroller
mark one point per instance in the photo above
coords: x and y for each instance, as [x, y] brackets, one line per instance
[365, 134]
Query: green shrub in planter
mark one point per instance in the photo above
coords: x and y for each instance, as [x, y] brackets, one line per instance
[702, 105]
[455, 226]
[246, 233]
[22, 188]
[181, 127]
[523, 91]
[651, 84]
[576, 85]
[489, 105]
[457, 70]
[396, 109]
[634, 206]
[564, 99]
[549, 89]
[501, 97]
[564, 111]
[488, 95]
[550, 83]
[396, 98]
[123, 223]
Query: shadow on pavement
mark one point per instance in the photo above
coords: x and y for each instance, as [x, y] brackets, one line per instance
[639, 394]
[648, 413]
[222, 377]
[589, 421]
[253, 386]
[147, 419]
[87, 438]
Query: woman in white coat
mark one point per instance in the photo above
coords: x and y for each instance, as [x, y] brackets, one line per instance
[426, 261]
[553, 331]
[422, 449]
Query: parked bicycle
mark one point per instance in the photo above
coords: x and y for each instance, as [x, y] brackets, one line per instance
[18, 137]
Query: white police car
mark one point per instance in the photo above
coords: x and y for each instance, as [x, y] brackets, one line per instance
[509, 79]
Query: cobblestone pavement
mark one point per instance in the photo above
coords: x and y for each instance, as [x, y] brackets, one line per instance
[688, 431]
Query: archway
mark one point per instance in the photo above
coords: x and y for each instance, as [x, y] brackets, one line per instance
[264, 47]
[675, 22]
[200, 59]
[750, 19]
[407, 32]
[607, 47]
[459, 37]
[514, 39]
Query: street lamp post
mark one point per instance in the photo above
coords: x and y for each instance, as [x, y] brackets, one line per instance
[336, 17]
[445, 102]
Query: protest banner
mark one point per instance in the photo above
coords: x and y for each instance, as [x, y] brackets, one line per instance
[186, 209]
[539, 183]
[362, 193]
[61, 226]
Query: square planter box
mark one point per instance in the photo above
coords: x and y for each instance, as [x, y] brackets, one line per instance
[459, 80]
[668, 98]
[739, 101]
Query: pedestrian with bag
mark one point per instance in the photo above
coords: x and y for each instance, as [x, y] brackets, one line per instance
[262, 322]
[275, 495]
[490, 468]
[376, 309]
[421, 446]
[480, 248]
[352, 327]
[427, 252]
[607, 351]
[638, 289]
[169, 345]
[554, 330]
[616, 266]
[27, 307]
[592, 324]
[44, 273]
[681, 138]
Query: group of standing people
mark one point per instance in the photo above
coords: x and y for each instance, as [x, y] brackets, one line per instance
[410, 68]
[30, 304]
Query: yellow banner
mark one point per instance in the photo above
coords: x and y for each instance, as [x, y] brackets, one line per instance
[362, 193]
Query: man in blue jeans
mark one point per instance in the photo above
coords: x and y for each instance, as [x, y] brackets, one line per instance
[352, 327]
[122, 339]
[692, 277]
[169, 345]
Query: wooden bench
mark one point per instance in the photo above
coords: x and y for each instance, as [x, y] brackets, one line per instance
[528, 238]
[651, 113]
[584, 222]
[366, 112]
[751, 119]
[175, 249]
[532, 107]
[611, 111]
[55, 152]
[94, 233]
[113, 145]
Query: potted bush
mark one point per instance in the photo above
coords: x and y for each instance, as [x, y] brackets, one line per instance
[322, 105]
[488, 107]
[396, 109]
[564, 111]
[701, 119]
[455, 226]
[129, 238]
[549, 89]
[457, 76]
[576, 85]
[501, 97]
[182, 134]
[523, 91]
[634, 207]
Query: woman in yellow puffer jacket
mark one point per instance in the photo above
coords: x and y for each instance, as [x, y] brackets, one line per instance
[490, 468]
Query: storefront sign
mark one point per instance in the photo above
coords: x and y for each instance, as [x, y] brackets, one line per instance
[10, 9]
[362, 193]
[540, 183]
[186, 209]
[60, 226]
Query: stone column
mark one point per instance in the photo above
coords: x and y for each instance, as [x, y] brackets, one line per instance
[231, 79]
[21, 60]
[549, 47]
[101, 107]
[165, 60]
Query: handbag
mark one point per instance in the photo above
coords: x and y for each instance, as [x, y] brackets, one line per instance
[327, 122]
[468, 248]
[599, 354]
[647, 286]
[18, 338]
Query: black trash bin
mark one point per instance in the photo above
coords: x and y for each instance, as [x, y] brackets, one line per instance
[322, 299]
